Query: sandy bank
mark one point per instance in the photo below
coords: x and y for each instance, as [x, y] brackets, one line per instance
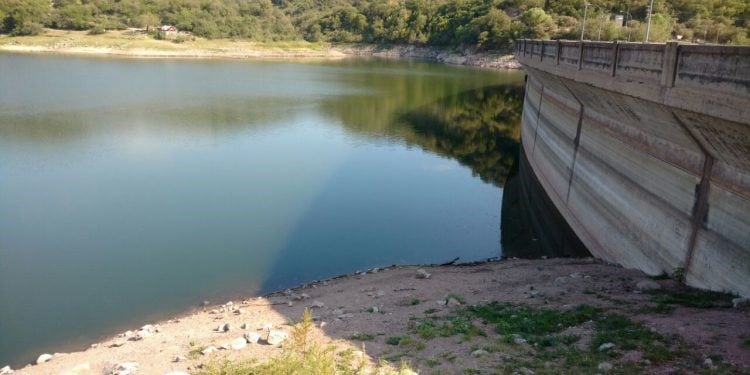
[122, 44]
[374, 308]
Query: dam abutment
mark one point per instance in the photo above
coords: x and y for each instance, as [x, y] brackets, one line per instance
[645, 151]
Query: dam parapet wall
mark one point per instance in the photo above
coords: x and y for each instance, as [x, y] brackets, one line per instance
[645, 150]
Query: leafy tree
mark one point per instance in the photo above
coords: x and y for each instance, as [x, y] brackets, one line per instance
[481, 24]
[148, 20]
[538, 23]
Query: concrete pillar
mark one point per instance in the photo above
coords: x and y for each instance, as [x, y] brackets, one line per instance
[615, 55]
[669, 69]
[580, 55]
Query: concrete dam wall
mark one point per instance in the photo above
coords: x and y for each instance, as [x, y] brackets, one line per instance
[645, 151]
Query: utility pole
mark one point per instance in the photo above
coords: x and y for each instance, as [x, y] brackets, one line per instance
[585, 8]
[648, 27]
[627, 18]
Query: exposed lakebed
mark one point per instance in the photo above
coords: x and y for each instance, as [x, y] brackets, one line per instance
[131, 190]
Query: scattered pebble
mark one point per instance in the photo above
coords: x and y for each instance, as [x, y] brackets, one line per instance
[604, 366]
[117, 344]
[179, 358]
[275, 338]
[317, 305]
[606, 346]
[479, 353]
[576, 275]
[208, 350]
[251, 337]
[238, 343]
[300, 297]
[453, 302]
[125, 368]
[422, 274]
[244, 326]
[518, 339]
[83, 368]
[43, 358]
[708, 363]
[145, 331]
[646, 285]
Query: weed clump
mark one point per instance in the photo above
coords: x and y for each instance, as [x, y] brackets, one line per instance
[303, 357]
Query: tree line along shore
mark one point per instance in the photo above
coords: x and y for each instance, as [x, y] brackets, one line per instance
[481, 25]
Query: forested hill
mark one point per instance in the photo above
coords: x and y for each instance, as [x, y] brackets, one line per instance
[481, 24]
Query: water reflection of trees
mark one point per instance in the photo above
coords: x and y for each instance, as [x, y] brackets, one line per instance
[478, 128]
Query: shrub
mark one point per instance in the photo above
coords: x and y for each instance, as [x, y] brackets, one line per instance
[181, 39]
[97, 30]
[26, 29]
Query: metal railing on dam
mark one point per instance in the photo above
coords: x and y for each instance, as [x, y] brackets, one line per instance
[645, 150]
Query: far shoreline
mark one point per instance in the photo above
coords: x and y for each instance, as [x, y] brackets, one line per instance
[120, 44]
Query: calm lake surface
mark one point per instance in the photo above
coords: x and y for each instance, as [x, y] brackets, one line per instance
[131, 190]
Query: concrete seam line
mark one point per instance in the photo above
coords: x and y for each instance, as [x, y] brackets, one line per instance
[700, 206]
[576, 141]
[538, 115]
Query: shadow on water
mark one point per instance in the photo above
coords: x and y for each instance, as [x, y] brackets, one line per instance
[531, 225]
[478, 128]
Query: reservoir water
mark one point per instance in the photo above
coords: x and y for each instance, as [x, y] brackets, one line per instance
[131, 190]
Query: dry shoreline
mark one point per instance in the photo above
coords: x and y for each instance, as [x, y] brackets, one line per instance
[371, 308]
[55, 42]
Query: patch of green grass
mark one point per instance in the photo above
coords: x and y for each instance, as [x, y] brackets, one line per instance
[431, 311]
[411, 343]
[449, 356]
[692, 298]
[415, 302]
[527, 321]
[746, 343]
[405, 342]
[663, 276]
[303, 357]
[432, 362]
[195, 353]
[360, 336]
[461, 324]
[548, 351]
[457, 297]
[393, 340]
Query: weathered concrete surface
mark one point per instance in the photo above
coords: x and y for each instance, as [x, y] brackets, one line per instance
[645, 150]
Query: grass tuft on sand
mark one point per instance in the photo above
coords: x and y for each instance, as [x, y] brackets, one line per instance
[302, 356]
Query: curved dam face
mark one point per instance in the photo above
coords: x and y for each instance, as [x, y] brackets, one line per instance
[644, 149]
